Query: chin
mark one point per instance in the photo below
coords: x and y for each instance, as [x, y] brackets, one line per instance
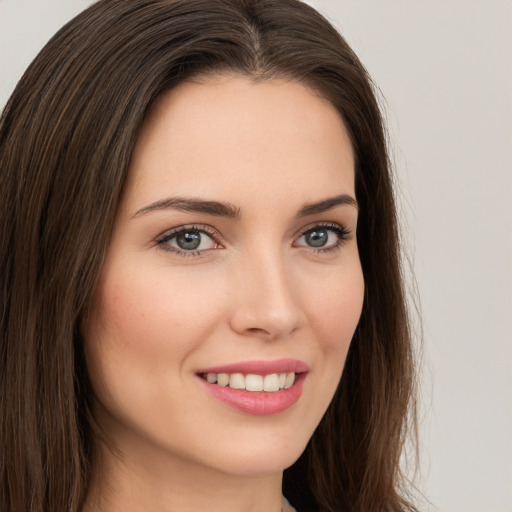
[267, 455]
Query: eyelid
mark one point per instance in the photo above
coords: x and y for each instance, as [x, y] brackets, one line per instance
[324, 224]
[161, 240]
[344, 234]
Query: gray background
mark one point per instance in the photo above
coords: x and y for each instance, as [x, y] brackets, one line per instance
[445, 70]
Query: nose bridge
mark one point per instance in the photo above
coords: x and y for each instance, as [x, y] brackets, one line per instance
[265, 301]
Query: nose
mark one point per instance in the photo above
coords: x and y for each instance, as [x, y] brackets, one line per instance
[265, 301]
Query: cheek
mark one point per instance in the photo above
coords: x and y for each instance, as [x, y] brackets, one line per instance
[139, 334]
[336, 309]
[334, 312]
[139, 327]
[145, 313]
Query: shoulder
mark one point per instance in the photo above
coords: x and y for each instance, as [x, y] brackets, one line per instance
[286, 506]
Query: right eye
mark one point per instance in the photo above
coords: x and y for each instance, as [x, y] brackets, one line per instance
[188, 241]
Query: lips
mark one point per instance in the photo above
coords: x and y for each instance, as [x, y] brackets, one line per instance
[259, 367]
[256, 387]
[252, 382]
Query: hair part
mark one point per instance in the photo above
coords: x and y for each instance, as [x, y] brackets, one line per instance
[66, 138]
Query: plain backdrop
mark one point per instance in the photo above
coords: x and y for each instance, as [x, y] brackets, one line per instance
[444, 68]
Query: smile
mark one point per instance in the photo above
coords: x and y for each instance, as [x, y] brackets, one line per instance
[252, 382]
[256, 387]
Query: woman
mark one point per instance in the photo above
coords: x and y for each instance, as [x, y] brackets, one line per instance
[202, 305]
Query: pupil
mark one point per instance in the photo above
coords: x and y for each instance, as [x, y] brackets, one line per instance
[317, 237]
[189, 240]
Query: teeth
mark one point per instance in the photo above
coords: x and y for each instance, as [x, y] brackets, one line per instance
[251, 382]
[222, 379]
[290, 379]
[271, 382]
[254, 382]
[236, 381]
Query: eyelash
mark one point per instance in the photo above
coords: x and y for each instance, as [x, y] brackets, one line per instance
[163, 241]
[342, 233]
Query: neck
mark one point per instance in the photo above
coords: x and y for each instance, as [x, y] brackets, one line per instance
[139, 482]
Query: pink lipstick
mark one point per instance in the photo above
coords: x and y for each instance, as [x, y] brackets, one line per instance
[256, 387]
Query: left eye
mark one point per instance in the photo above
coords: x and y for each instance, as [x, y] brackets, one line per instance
[189, 240]
[322, 237]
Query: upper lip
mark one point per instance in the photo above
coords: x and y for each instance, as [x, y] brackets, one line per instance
[259, 367]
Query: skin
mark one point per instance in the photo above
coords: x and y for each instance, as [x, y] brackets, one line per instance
[256, 289]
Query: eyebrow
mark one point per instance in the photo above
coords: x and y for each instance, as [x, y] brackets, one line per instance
[326, 205]
[219, 209]
[192, 205]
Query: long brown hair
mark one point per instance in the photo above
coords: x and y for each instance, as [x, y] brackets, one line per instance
[66, 137]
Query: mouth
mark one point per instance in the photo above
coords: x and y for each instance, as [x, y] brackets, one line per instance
[252, 382]
[256, 387]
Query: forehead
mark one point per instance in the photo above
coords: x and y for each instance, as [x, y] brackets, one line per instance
[232, 135]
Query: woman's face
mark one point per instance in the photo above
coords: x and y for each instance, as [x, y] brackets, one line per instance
[233, 258]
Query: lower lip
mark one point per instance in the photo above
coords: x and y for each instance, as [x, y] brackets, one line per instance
[260, 403]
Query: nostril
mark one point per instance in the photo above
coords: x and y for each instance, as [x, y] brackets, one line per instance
[266, 311]
[257, 330]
